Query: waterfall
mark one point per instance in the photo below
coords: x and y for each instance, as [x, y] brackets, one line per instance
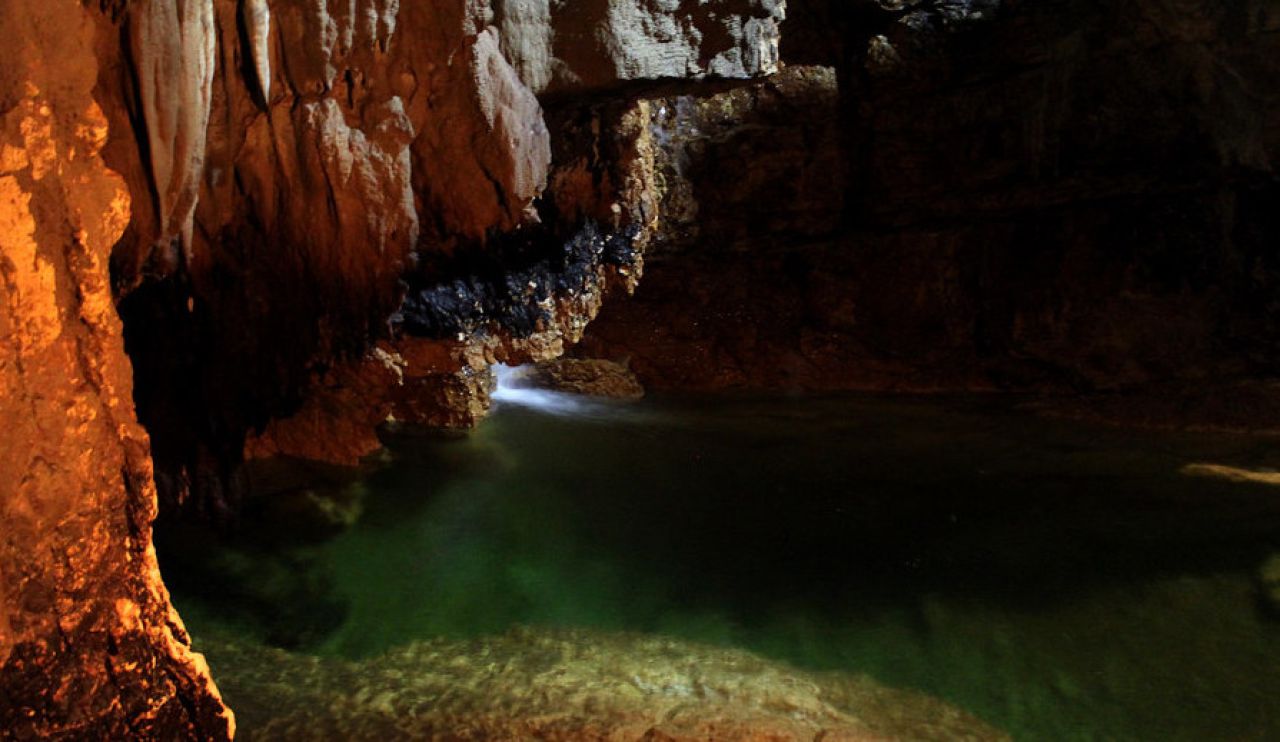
[515, 389]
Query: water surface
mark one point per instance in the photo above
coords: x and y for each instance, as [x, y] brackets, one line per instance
[1061, 581]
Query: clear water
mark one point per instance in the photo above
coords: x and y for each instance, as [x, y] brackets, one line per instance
[1061, 581]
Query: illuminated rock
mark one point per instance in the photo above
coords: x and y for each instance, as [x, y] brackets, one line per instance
[90, 647]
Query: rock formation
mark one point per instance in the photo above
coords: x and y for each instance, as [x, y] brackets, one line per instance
[561, 46]
[590, 377]
[573, 685]
[1053, 196]
[89, 646]
[298, 159]
[284, 173]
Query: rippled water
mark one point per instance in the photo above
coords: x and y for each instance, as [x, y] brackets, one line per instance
[1061, 581]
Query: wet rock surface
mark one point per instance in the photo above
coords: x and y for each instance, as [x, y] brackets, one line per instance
[751, 167]
[512, 287]
[570, 685]
[525, 300]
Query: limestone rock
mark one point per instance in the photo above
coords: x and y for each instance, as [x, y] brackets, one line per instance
[90, 647]
[340, 416]
[257, 24]
[588, 376]
[483, 174]
[353, 135]
[751, 167]
[1066, 197]
[560, 45]
[173, 47]
[571, 685]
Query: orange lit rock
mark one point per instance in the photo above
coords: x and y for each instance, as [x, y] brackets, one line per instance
[588, 376]
[90, 647]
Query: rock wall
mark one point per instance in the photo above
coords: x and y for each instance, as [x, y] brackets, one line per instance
[266, 182]
[293, 161]
[90, 647]
[1038, 195]
[330, 215]
[568, 46]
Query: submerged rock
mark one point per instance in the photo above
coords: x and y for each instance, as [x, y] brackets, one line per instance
[569, 685]
[1269, 583]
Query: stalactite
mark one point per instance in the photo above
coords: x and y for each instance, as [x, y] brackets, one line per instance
[257, 25]
[174, 48]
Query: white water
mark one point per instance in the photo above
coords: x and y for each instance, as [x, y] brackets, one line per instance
[514, 390]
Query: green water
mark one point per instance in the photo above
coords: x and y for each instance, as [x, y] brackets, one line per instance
[1059, 580]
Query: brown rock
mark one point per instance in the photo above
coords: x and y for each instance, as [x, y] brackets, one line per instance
[346, 130]
[299, 154]
[484, 148]
[590, 376]
[1064, 196]
[90, 647]
[338, 420]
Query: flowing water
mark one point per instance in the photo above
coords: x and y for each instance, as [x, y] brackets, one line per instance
[1061, 581]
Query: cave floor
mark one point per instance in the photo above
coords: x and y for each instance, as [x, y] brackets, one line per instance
[1058, 580]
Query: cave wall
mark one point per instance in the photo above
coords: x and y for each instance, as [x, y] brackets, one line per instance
[90, 647]
[263, 179]
[293, 161]
[1021, 195]
[1068, 195]
[328, 132]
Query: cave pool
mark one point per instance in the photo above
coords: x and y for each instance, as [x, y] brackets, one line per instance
[1060, 580]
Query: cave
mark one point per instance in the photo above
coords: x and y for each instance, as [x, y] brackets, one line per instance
[617, 369]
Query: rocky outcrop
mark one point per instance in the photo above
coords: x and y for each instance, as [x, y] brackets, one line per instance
[1051, 196]
[587, 376]
[296, 160]
[305, 219]
[754, 167]
[560, 46]
[523, 298]
[571, 685]
[90, 647]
